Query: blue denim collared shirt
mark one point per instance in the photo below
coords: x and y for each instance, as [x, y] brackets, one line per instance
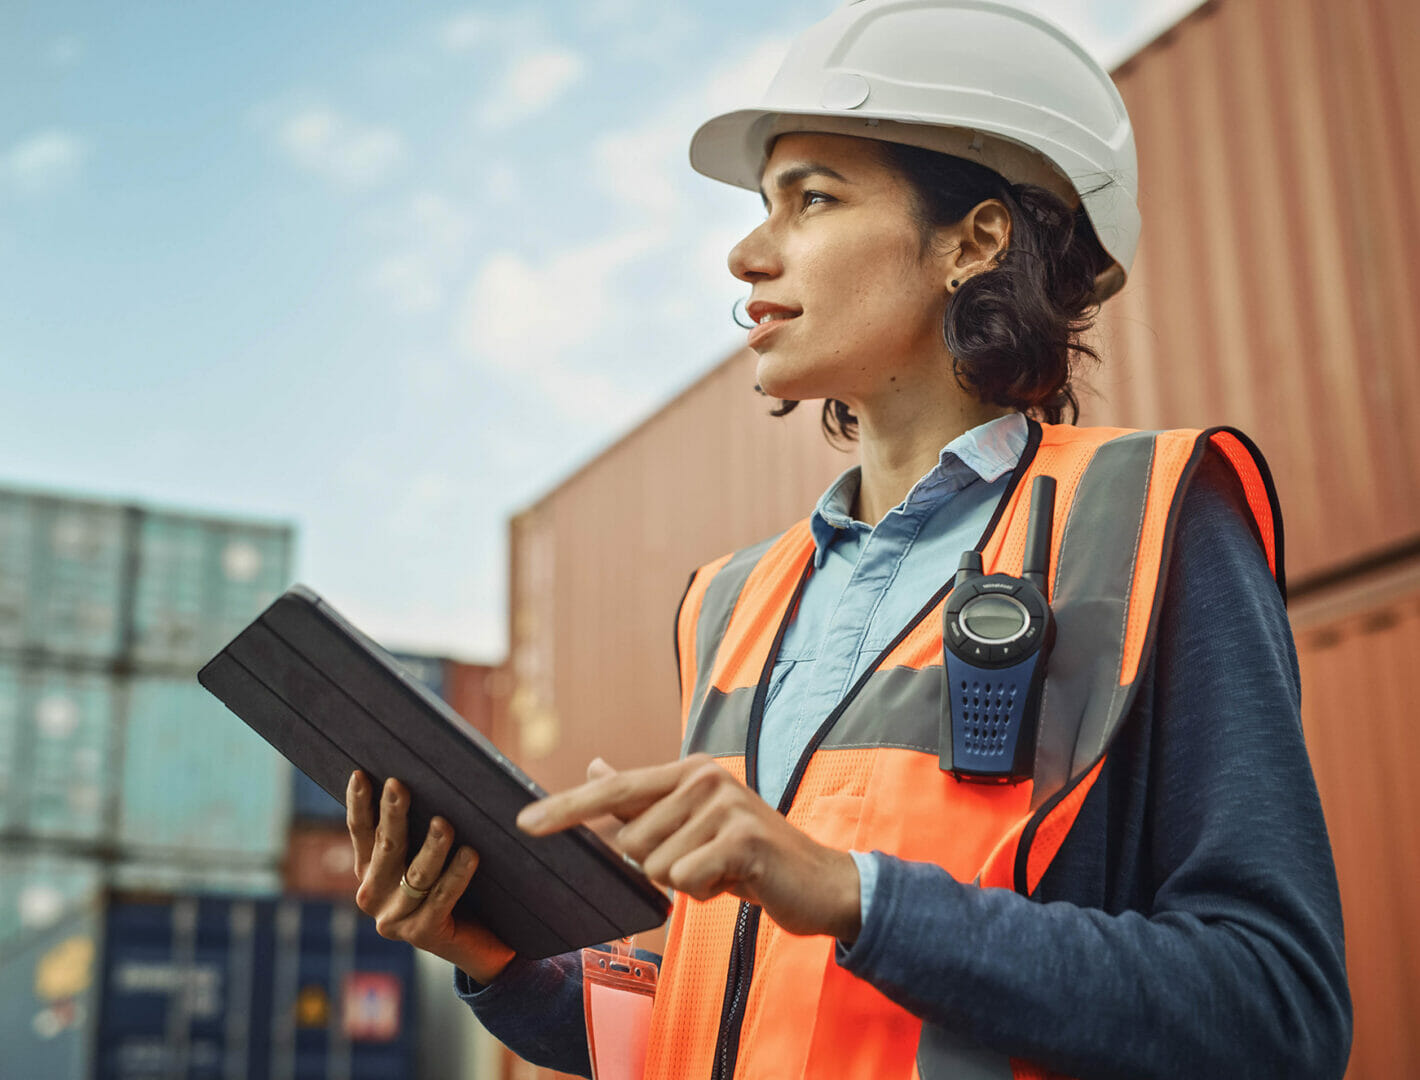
[869, 581]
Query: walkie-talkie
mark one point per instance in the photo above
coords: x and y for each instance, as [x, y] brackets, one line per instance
[997, 634]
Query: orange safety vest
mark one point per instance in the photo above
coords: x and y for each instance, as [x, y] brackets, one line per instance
[739, 997]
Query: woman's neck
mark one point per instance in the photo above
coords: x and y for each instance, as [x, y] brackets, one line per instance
[902, 442]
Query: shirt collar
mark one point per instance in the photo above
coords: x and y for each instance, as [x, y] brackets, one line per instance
[988, 452]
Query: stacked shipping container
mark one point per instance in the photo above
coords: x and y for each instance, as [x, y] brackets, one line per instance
[1274, 290]
[119, 772]
[115, 767]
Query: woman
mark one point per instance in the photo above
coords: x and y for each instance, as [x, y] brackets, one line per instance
[1154, 895]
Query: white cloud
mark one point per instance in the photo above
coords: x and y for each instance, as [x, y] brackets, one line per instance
[432, 233]
[531, 83]
[352, 154]
[535, 319]
[464, 31]
[42, 161]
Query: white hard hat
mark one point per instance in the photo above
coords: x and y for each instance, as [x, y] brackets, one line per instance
[976, 79]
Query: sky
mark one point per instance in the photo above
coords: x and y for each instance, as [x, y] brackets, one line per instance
[386, 272]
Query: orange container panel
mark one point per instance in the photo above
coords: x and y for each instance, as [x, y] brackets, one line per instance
[1279, 180]
[470, 689]
[1357, 645]
[320, 862]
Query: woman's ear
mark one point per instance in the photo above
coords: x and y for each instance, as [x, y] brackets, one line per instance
[983, 237]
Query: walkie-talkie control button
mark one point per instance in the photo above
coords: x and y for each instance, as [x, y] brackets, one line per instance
[955, 634]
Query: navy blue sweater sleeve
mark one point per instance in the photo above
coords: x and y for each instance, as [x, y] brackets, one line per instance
[1190, 925]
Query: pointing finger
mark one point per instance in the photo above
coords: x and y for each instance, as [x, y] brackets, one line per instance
[622, 794]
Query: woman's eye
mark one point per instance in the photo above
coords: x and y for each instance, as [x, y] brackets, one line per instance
[813, 197]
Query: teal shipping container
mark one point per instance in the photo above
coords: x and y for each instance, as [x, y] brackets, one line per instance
[57, 742]
[136, 767]
[199, 582]
[196, 780]
[63, 564]
[105, 582]
[38, 890]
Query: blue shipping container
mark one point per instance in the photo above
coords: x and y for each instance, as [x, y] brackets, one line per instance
[265, 990]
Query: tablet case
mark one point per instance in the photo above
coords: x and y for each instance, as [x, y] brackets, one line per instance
[332, 701]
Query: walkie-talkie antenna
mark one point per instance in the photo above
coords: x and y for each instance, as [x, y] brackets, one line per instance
[970, 567]
[1036, 565]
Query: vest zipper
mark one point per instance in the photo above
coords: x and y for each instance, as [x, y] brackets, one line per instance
[732, 1013]
[741, 967]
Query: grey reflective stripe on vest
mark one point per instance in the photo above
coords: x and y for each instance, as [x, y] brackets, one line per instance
[715, 611]
[720, 727]
[943, 1055]
[897, 708]
[1083, 704]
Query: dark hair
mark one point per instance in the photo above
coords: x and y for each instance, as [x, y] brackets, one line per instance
[1013, 331]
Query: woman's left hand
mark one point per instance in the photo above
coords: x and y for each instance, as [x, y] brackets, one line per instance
[695, 828]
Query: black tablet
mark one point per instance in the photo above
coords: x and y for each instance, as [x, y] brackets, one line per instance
[332, 701]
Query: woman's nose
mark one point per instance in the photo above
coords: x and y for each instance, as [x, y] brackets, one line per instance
[754, 258]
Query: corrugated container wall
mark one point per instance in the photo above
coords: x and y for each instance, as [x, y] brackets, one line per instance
[1276, 282]
[209, 986]
[1274, 290]
[115, 766]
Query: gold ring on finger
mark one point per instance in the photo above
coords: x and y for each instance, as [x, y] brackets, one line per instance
[409, 890]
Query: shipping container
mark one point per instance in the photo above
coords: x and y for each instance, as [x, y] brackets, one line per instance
[47, 997]
[63, 564]
[1356, 642]
[196, 780]
[38, 889]
[196, 987]
[200, 581]
[1276, 281]
[57, 740]
[320, 862]
[259, 989]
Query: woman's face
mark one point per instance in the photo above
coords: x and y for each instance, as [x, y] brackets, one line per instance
[837, 266]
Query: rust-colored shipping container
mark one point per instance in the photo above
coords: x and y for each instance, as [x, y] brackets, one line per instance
[1276, 282]
[473, 690]
[1358, 644]
[1274, 290]
[319, 863]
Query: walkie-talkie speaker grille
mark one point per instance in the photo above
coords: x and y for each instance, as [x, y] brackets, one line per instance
[990, 709]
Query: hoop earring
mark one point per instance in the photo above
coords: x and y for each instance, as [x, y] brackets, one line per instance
[735, 315]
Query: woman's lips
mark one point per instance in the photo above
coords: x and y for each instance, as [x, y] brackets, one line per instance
[764, 329]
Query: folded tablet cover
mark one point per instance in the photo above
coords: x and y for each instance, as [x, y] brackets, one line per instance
[332, 701]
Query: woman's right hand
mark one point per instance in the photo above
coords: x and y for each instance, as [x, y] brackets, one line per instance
[427, 923]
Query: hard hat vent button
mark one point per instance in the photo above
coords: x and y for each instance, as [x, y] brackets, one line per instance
[845, 92]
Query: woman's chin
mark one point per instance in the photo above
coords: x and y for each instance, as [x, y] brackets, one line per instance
[777, 379]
